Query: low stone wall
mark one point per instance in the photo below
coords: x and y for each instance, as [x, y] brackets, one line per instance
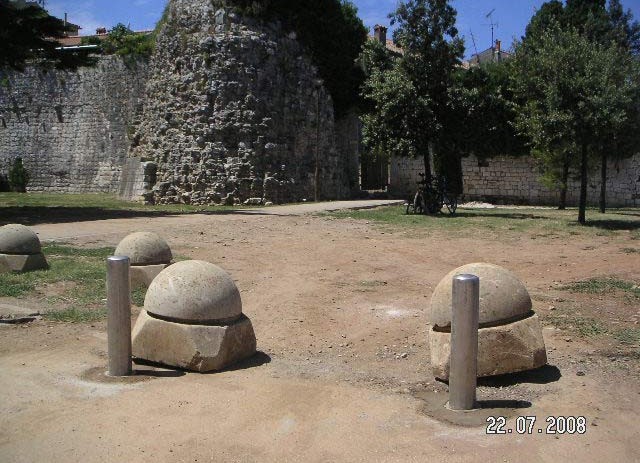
[507, 180]
[71, 128]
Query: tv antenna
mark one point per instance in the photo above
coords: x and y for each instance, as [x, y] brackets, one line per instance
[473, 39]
[493, 25]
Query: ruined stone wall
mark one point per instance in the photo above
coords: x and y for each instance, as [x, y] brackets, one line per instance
[234, 112]
[507, 180]
[71, 128]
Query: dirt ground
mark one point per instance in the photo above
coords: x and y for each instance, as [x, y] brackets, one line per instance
[339, 309]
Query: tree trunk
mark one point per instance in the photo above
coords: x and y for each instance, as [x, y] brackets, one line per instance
[583, 185]
[427, 164]
[564, 184]
[603, 184]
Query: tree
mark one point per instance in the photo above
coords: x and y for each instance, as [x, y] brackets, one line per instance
[28, 35]
[411, 99]
[574, 94]
[124, 42]
[602, 25]
[481, 118]
[623, 30]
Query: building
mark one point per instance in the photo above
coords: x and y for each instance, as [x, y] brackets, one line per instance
[493, 54]
[380, 35]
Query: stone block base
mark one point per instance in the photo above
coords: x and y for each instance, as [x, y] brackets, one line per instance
[509, 348]
[23, 263]
[4, 265]
[193, 347]
[143, 275]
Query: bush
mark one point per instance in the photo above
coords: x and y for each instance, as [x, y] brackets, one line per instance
[124, 42]
[18, 176]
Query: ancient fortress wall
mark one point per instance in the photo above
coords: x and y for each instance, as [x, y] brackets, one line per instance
[234, 112]
[72, 129]
[506, 180]
[228, 110]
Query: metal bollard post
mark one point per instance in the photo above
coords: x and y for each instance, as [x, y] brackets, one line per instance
[119, 316]
[463, 369]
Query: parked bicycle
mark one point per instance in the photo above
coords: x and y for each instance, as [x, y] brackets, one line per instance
[432, 195]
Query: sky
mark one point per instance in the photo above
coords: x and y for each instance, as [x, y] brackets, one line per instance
[511, 16]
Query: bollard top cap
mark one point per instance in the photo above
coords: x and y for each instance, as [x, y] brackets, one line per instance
[466, 277]
[118, 258]
[18, 239]
[503, 297]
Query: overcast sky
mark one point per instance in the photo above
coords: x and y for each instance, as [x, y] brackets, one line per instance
[511, 16]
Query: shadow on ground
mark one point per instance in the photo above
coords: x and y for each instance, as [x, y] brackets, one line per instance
[256, 360]
[543, 375]
[614, 224]
[34, 215]
[632, 223]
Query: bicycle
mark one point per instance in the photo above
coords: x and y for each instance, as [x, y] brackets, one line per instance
[432, 195]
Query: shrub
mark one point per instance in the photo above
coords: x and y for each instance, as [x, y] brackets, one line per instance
[18, 176]
[124, 42]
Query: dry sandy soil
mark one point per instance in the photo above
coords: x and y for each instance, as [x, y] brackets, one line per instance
[335, 305]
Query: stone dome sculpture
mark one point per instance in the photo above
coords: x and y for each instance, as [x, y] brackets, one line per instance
[193, 319]
[149, 255]
[20, 250]
[18, 239]
[194, 291]
[145, 248]
[502, 295]
[509, 335]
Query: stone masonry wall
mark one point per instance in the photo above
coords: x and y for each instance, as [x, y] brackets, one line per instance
[71, 128]
[234, 113]
[506, 180]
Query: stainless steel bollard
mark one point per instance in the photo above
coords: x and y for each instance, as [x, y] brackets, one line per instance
[119, 316]
[463, 368]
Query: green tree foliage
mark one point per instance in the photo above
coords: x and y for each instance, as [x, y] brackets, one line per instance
[623, 29]
[333, 35]
[18, 176]
[28, 34]
[124, 42]
[481, 119]
[574, 93]
[409, 98]
[603, 25]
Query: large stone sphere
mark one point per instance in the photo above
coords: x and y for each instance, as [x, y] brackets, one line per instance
[503, 297]
[18, 239]
[194, 291]
[145, 248]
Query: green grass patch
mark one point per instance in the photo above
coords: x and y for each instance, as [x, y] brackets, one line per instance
[585, 327]
[137, 296]
[628, 336]
[372, 283]
[537, 223]
[603, 286]
[76, 277]
[630, 250]
[75, 315]
[74, 284]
